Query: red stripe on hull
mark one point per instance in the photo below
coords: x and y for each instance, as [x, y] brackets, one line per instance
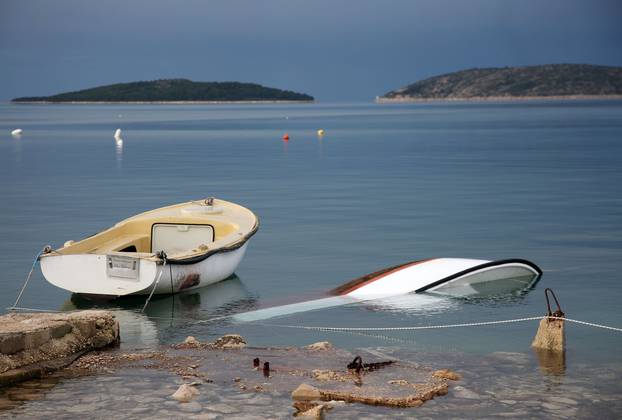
[357, 283]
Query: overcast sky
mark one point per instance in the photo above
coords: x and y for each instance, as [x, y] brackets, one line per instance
[334, 50]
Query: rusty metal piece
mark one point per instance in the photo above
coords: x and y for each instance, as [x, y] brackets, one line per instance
[266, 369]
[357, 365]
[376, 365]
[558, 313]
[256, 362]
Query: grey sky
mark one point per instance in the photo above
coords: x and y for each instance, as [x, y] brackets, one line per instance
[334, 50]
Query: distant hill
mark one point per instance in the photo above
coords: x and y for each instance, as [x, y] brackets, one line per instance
[551, 80]
[174, 90]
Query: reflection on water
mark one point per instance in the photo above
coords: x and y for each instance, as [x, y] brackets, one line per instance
[412, 304]
[118, 145]
[551, 362]
[142, 329]
[17, 148]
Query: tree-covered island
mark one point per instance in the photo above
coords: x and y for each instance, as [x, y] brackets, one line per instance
[174, 90]
[555, 81]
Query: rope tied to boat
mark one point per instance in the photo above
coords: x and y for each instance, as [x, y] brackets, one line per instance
[162, 256]
[46, 250]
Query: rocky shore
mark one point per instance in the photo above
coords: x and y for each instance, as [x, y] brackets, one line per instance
[409, 99]
[227, 379]
[33, 344]
[259, 102]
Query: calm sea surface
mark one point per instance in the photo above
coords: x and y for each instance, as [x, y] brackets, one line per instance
[387, 184]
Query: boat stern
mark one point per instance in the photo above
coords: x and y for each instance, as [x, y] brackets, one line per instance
[99, 274]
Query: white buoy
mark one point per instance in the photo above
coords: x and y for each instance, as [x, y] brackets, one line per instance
[17, 132]
[117, 134]
[320, 132]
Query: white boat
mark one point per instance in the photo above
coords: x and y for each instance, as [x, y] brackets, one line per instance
[167, 250]
[447, 276]
[456, 277]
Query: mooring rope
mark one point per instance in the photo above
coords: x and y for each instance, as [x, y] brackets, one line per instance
[163, 256]
[589, 324]
[19, 308]
[353, 329]
[45, 250]
[431, 327]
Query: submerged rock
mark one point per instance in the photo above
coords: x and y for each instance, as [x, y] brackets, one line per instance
[319, 346]
[329, 375]
[185, 393]
[306, 392]
[316, 412]
[191, 340]
[226, 342]
[446, 374]
[229, 341]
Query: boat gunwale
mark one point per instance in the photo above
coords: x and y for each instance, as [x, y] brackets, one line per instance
[195, 258]
[537, 272]
[190, 258]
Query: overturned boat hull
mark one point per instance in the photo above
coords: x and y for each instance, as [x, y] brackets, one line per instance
[438, 275]
[445, 276]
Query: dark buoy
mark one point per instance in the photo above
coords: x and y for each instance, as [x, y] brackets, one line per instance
[266, 369]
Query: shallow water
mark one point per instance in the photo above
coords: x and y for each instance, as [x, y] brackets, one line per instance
[499, 385]
[387, 184]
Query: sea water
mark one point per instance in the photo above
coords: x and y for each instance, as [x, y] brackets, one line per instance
[385, 185]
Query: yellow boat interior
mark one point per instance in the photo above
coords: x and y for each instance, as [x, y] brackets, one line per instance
[182, 231]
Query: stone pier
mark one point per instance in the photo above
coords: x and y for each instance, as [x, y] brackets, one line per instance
[32, 344]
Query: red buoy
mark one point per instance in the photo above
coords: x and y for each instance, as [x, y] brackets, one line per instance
[285, 136]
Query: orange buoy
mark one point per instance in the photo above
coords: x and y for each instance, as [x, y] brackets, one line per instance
[285, 136]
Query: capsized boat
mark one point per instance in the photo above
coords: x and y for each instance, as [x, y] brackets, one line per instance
[448, 276]
[174, 248]
[456, 277]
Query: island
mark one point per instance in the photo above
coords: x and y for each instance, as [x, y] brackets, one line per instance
[173, 91]
[551, 81]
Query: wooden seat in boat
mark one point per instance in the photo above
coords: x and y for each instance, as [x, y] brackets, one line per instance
[124, 243]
